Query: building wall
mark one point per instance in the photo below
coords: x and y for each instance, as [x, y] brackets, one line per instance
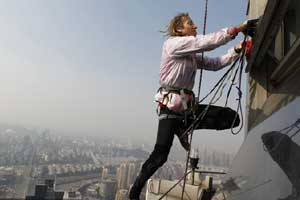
[267, 165]
[274, 74]
[256, 8]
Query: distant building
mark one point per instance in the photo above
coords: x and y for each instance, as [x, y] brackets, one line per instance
[122, 176]
[132, 172]
[104, 173]
[7, 175]
[108, 188]
[72, 196]
[46, 191]
[122, 195]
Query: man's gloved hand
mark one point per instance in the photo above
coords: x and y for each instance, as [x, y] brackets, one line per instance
[244, 44]
[242, 27]
[250, 27]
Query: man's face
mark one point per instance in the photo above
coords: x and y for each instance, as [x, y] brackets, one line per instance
[189, 28]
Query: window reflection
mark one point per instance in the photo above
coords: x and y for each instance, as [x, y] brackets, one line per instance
[285, 152]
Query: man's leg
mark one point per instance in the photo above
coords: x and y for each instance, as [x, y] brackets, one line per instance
[182, 135]
[158, 157]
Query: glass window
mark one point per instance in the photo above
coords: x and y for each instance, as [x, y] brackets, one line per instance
[291, 25]
[276, 47]
[275, 83]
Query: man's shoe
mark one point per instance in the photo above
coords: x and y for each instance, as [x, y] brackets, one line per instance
[184, 141]
[134, 198]
[132, 194]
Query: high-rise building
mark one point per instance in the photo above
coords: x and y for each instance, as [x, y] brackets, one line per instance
[104, 173]
[46, 190]
[108, 188]
[122, 176]
[132, 172]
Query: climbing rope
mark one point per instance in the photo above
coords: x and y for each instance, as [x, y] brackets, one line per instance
[199, 89]
[217, 88]
[204, 32]
[239, 105]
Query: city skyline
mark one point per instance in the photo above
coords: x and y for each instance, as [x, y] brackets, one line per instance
[93, 68]
[92, 167]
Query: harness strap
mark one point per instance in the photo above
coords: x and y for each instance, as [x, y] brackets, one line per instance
[176, 90]
[180, 91]
[165, 113]
[184, 101]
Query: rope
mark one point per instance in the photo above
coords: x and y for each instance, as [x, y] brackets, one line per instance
[204, 32]
[229, 90]
[187, 165]
[221, 80]
[199, 118]
[223, 87]
[171, 188]
[239, 106]
[199, 89]
[217, 86]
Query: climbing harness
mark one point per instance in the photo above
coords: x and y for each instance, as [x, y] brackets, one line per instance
[174, 102]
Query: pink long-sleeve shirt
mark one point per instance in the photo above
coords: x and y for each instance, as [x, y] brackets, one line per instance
[180, 61]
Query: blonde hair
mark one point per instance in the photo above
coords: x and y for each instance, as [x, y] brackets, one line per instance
[175, 24]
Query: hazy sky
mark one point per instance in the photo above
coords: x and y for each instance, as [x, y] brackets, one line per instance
[91, 67]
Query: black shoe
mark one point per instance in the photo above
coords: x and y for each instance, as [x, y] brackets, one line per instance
[133, 194]
[184, 141]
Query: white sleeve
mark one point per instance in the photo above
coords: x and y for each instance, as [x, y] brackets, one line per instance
[185, 45]
[217, 63]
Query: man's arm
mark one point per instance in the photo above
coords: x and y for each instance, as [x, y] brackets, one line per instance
[217, 63]
[182, 46]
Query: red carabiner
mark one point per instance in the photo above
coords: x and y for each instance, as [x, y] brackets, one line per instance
[248, 47]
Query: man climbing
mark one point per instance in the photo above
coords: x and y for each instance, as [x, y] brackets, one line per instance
[177, 75]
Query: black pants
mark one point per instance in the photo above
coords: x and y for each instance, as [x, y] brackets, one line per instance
[217, 118]
[167, 129]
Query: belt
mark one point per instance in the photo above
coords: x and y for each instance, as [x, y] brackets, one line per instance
[176, 90]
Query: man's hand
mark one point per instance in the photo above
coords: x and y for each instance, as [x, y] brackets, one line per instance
[242, 27]
[250, 27]
[238, 48]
